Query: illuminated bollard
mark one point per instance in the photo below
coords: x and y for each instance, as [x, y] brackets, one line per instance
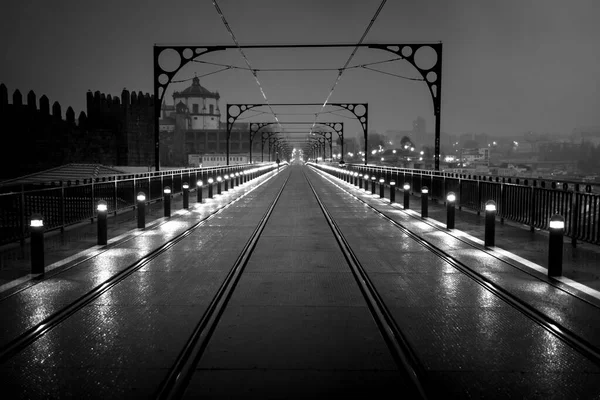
[36, 228]
[381, 195]
[226, 183]
[490, 223]
[236, 181]
[392, 192]
[450, 210]
[141, 210]
[199, 191]
[366, 183]
[406, 188]
[357, 180]
[555, 245]
[424, 202]
[219, 180]
[186, 195]
[210, 188]
[167, 201]
[102, 209]
[373, 179]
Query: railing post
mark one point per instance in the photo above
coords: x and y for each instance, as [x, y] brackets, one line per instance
[62, 209]
[115, 196]
[532, 210]
[574, 219]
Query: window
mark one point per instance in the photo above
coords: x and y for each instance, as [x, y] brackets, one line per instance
[212, 109]
[195, 108]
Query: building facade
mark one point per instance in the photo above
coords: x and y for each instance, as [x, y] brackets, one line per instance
[192, 126]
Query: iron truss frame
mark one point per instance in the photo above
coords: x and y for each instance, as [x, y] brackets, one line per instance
[432, 76]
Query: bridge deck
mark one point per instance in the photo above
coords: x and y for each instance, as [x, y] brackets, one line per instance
[277, 308]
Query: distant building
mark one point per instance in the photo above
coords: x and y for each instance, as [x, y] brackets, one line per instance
[192, 126]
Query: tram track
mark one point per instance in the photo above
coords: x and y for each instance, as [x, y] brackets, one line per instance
[33, 333]
[557, 329]
[397, 343]
[176, 383]
[180, 374]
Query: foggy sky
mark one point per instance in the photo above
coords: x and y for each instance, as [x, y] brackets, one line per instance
[508, 66]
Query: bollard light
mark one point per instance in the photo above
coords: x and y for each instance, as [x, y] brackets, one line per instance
[424, 202]
[210, 187]
[490, 223]
[555, 245]
[373, 179]
[406, 188]
[392, 192]
[450, 209]
[366, 182]
[36, 229]
[219, 180]
[167, 201]
[226, 179]
[381, 181]
[102, 209]
[141, 210]
[199, 191]
[186, 195]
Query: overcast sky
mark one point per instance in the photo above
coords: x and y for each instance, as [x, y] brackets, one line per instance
[509, 66]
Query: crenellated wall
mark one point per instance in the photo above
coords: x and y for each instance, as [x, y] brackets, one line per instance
[36, 136]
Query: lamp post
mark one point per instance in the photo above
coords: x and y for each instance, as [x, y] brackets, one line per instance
[199, 184]
[141, 210]
[555, 245]
[36, 229]
[424, 202]
[167, 201]
[450, 209]
[406, 188]
[102, 209]
[186, 195]
[490, 223]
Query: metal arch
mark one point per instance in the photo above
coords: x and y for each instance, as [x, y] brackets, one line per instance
[254, 128]
[338, 127]
[362, 118]
[160, 88]
[340, 133]
[328, 136]
[264, 137]
[432, 77]
[403, 50]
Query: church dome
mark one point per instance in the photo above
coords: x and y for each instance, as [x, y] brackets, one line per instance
[196, 90]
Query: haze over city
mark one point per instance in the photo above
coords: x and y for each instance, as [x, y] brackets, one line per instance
[508, 67]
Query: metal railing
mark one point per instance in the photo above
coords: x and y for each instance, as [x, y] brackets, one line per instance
[74, 202]
[530, 201]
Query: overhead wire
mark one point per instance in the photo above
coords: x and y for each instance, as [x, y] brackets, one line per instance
[341, 71]
[201, 76]
[245, 58]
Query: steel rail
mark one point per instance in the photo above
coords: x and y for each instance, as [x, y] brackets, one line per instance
[32, 334]
[557, 329]
[486, 250]
[174, 386]
[399, 347]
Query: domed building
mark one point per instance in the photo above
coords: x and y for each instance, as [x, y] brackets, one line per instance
[191, 126]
